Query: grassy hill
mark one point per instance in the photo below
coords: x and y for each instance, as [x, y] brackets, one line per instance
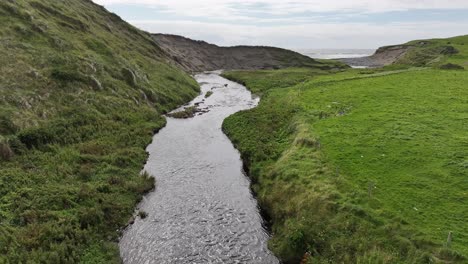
[81, 93]
[432, 52]
[362, 166]
[436, 52]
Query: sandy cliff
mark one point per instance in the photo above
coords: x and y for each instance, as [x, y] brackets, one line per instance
[197, 56]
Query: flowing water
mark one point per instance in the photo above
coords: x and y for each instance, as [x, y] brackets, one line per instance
[202, 210]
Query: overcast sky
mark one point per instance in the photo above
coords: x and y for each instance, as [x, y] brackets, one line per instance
[298, 23]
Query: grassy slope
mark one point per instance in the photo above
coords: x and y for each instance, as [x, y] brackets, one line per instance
[80, 96]
[363, 166]
[434, 52]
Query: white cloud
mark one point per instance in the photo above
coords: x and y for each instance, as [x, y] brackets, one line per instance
[329, 35]
[283, 23]
[282, 7]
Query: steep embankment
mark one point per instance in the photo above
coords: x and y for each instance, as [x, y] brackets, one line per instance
[363, 166]
[383, 56]
[81, 93]
[415, 53]
[198, 56]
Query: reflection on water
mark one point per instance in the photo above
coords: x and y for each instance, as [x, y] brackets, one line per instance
[202, 210]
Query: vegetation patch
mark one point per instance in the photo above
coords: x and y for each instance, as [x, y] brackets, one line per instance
[433, 52]
[451, 66]
[208, 94]
[142, 214]
[188, 112]
[68, 75]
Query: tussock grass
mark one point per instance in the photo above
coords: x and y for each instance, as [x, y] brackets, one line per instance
[142, 214]
[188, 112]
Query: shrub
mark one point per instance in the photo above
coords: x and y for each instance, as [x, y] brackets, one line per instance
[449, 50]
[6, 125]
[64, 75]
[35, 137]
[16, 145]
[451, 66]
[147, 183]
[90, 217]
[142, 214]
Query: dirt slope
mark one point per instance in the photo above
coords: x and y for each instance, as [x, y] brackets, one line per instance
[415, 53]
[197, 56]
[382, 57]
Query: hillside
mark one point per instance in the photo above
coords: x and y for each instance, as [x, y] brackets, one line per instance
[362, 166]
[382, 57]
[81, 93]
[430, 52]
[198, 56]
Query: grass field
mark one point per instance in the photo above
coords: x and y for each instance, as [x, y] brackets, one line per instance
[361, 166]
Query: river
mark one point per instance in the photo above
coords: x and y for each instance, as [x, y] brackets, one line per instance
[202, 210]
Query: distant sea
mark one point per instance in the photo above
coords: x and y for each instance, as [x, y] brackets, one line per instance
[336, 53]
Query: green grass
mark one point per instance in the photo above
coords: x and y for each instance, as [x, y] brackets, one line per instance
[261, 81]
[208, 94]
[362, 166]
[434, 52]
[188, 112]
[81, 94]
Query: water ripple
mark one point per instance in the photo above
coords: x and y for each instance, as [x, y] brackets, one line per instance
[202, 210]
